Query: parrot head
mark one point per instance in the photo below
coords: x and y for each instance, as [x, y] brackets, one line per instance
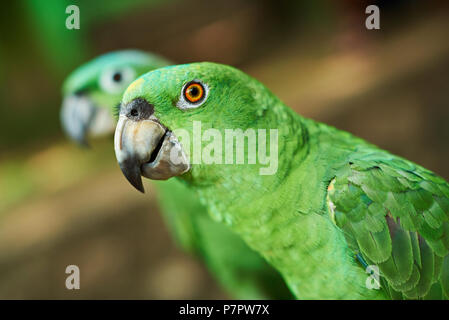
[164, 101]
[92, 91]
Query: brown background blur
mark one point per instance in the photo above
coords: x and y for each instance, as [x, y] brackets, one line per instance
[62, 205]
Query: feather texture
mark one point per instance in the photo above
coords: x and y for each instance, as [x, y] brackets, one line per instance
[404, 227]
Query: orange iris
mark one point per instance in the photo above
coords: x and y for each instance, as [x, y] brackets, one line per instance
[194, 92]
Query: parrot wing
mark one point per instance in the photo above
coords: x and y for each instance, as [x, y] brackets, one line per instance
[394, 215]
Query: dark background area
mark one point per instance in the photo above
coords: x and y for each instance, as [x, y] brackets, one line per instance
[62, 205]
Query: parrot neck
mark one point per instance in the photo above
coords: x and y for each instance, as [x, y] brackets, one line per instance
[282, 216]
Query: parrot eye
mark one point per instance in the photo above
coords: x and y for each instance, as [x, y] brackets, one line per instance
[116, 80]
[117, 77]
[194, 92]
[193, 95]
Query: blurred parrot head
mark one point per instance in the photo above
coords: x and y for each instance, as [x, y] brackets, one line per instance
[92, 92]
[160, 103]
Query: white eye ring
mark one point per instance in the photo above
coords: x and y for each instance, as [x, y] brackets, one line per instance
[115, 80]
[185, 104]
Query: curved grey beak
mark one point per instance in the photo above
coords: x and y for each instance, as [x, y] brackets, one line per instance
[145, 147]
[76, 115]
[80, 117]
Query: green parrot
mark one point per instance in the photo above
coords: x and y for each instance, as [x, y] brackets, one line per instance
[91, 94]
[93, 90]
[338, 217]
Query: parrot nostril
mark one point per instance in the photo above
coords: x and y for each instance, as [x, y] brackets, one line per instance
[139, 109]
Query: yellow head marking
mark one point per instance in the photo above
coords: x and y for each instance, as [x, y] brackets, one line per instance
[133, 86]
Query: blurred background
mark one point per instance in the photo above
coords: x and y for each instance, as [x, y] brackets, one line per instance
[63, 205]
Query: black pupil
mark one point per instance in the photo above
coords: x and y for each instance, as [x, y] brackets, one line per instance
[117, 77]
[194, 91]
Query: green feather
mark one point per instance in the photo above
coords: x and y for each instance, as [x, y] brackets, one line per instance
[444, 278]
[427, 269]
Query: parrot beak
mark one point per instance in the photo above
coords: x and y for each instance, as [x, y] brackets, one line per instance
[80, 117]
[145, 147]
